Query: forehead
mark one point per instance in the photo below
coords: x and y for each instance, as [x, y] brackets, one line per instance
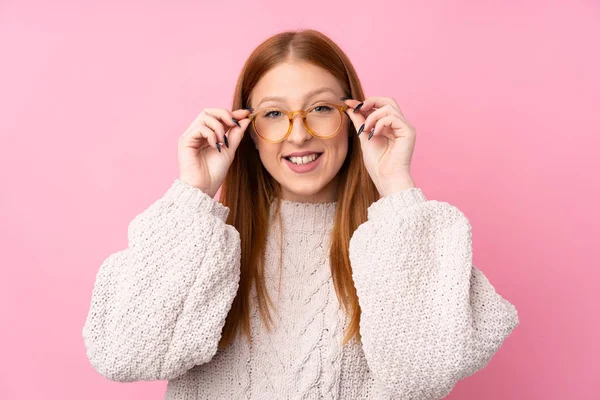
[293, 81]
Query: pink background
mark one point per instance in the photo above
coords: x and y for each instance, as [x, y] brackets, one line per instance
[504, 97]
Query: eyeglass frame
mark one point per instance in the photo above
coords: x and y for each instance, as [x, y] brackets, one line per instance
[292, 114]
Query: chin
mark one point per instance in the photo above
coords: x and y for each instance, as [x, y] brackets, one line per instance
[312, 186]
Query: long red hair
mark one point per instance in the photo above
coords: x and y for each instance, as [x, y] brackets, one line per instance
[248, 189]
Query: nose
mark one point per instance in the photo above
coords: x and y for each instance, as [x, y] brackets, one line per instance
[299, 134]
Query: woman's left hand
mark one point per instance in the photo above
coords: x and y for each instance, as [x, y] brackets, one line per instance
[387, 141]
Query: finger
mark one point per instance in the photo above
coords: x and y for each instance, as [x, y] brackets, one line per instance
[210, 136]
[375, 102]
[377, 115]
[356, 106]
[393, 121]
[224, 116]
[350, 102]
[236, 134]
[357, 120]
[228, 118]
[197, 134]
[241, 113]
[217, 126]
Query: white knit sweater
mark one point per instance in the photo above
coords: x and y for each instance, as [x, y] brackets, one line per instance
[429, 317]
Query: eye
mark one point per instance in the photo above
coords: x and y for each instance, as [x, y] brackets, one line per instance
[322, 109]
[272, 114]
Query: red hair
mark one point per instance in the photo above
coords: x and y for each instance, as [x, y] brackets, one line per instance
[248, 189]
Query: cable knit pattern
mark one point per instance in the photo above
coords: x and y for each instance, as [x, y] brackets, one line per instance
[300, 345]
[429, 317]
[158, 307]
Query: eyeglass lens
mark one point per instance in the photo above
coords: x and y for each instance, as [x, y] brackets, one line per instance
[323, 121]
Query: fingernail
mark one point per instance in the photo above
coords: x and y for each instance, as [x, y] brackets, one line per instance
[248, 108]
[226, 141]
[236, 122]
[218, 147]
[358, 107]
[360, 130]
[371, 134]
[345, 98]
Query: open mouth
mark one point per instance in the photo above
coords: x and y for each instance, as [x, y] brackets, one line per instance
[302, 160]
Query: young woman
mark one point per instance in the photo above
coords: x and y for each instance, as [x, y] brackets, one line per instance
[322, 272]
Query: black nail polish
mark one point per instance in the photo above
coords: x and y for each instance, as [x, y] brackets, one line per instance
[360, 130]
[248, 108]
[358, 107]
[218, 147]
[225, 141]
[371, 134]
[236, 122]
[345, 98]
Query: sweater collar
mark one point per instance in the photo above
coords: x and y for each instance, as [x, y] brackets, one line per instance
[306, 217]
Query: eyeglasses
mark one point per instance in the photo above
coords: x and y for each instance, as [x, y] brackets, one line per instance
[322, 121]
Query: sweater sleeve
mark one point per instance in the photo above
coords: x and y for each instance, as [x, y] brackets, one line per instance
[429, 316]
[158, 307]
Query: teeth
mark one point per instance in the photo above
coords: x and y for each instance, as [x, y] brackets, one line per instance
[303, 160]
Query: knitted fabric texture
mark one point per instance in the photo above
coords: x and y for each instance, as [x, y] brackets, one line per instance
[429, 317]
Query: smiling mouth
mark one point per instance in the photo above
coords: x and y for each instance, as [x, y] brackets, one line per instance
[303, 159]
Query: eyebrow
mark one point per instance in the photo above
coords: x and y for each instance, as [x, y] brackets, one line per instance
[308, 95]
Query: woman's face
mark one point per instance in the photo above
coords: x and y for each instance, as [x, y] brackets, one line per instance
[297, 86]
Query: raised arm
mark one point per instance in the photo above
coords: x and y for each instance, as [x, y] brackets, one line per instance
[158, 306]
[429, 317]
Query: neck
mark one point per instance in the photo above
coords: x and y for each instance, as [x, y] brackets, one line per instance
[327, 194]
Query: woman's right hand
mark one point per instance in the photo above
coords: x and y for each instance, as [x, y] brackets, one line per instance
[206, 149]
